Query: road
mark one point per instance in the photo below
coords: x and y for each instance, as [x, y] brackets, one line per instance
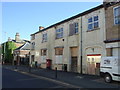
[13, 79]
[42, 78]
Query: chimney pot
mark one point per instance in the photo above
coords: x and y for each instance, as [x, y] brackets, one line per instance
[40, 28]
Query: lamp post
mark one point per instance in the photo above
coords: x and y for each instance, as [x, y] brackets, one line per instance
[17, 60]
[29, 63]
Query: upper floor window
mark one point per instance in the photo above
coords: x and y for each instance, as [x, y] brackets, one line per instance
[33, 45]
[44, 37]
[93, 23]
[73, 28]
[32, 37]
[117, 15]
[76, 28]
[59, 33]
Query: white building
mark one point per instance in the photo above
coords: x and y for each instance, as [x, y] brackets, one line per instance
[75, 44]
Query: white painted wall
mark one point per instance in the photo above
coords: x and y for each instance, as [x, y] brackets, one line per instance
[93, 39]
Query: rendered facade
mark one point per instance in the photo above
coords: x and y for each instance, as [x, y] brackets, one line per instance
[75, 44]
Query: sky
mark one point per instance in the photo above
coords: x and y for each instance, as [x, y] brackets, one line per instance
[26, 17]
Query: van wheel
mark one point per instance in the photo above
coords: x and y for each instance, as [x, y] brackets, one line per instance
[107, 78]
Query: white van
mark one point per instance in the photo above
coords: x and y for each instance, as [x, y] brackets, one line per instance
[110, 68]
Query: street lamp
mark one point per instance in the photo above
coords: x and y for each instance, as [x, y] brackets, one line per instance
[17, 59]
[29, 63]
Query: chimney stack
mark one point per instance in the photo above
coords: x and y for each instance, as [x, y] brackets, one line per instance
[9, 39]
[109, 1]
[40, 28]
[17, 37]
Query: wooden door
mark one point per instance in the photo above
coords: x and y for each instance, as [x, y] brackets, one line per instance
[74, 64]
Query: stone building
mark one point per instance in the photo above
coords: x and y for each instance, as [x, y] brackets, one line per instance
[74, 44]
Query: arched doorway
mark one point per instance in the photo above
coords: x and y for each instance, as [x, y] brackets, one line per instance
[93, 58]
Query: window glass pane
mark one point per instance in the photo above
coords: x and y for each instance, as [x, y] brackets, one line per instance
[59, 33]
[90, 20]
[90, 26]
[96, 25]
[44, 37]
[76, 30]
[76, 24]
[117, 15]
[117, 20]
[95, 18]
[58, 30]
[117, 11]
[61, 29]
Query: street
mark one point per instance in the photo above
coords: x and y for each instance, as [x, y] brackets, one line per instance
[42, 78]
[12, 79]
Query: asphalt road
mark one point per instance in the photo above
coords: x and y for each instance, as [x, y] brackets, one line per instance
[13, 79]
[41, 78]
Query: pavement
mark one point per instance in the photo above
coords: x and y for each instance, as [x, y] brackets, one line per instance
[75, 79]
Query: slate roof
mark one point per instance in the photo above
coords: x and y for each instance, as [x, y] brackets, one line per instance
[78, 15]
[25, 46]
[22, 41]
[73, 17]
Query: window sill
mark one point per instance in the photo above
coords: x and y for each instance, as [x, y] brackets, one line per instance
[93, 30]
[74, 34]
[44, 42]
[116, 25]
[43, 62]
[58, 54]
[58, 38]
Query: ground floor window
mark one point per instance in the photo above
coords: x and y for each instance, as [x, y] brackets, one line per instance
[43, 52]
[58, 51]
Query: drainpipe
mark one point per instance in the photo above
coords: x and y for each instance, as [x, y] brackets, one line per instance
[81, 48]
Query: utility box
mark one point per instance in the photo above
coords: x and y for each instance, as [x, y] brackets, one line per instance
[48, 63]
